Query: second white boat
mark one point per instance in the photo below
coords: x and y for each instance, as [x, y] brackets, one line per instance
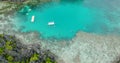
[51, 23]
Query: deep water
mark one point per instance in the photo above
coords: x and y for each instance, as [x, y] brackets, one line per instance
[69, 18]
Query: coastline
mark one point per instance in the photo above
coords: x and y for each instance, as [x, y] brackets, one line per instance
[7, 7]
[84, 48]
[88, 48]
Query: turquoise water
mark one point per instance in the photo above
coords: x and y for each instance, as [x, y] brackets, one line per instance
[69, 18]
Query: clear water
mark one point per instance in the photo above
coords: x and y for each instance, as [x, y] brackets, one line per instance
[69, 18]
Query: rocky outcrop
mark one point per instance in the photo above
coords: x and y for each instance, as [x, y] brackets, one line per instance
[13, 51]
[14, 0]
[10, 6]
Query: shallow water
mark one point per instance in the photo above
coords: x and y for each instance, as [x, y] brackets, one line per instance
[69, 18]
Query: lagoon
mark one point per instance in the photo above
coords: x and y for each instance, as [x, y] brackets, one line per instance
[69, 18]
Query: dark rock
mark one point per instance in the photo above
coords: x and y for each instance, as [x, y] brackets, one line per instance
[3, 60]
[2, 42]
[14, 0]
[12, 53]
[1, 45]
[21, 52]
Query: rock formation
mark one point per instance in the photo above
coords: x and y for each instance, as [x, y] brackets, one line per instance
[13, 51]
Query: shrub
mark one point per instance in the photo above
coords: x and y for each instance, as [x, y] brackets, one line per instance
[9, 58]
[8, 45]
[48, 60]
[34, 57]
[1, 50]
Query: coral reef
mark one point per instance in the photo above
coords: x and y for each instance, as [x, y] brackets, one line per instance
[7, 7]
[13, 51]
[14, 0]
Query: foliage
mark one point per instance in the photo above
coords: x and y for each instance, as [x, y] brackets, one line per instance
[1, 35]
[48, 60]
[22, 61]
[34, 57]
[8, 45]
[9, 58]
[1, 50]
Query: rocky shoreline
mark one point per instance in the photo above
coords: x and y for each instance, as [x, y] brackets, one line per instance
[13, 51]
[8, 7]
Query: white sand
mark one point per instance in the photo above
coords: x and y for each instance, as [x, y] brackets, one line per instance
[87, 48]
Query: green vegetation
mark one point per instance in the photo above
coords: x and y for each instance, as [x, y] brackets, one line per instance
[48, 60]
[1, 35]
[1, 50]
[22, 61]
[8, 45]
[13, 52]
[34, 57]
[10, 58]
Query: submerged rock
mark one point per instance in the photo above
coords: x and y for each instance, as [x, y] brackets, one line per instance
[11, 6]
[14, 0]
[13, 51]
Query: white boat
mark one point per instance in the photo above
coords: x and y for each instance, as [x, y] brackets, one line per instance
[51, 23]
[29, 10]
[33, 18]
